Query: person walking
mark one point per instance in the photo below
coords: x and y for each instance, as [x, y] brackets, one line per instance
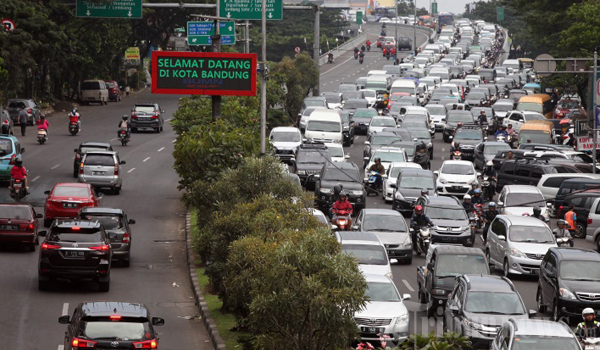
[23, 120]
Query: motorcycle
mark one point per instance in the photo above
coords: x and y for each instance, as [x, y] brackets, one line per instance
[42, 136]
[456, 155]
[123, 137]
[479, 214]
[564, 241]
[486, 188]
[73, 128]
[368, 47]
[341, 219]
[388, 56]
[18, 190]
[591, 344]
[501, 138]
[330, 60]
[421, 246]
[355, 55]
[372, 183]
[511, 139]
[361, 60]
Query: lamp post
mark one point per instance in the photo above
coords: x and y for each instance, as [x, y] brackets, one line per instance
[415, 29]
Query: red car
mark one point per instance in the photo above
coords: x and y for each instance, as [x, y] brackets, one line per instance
[65, 200]
[565, 107]
[19, 224]
[114, 92]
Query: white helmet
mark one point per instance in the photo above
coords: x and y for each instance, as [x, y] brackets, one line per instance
[467, 196]
[588, 311]
[489, 163]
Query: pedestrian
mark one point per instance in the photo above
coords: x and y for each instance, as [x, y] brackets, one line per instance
[23, 120]
[127, 90]
[571, 218]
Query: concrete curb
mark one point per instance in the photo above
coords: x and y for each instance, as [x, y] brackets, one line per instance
[209, 323]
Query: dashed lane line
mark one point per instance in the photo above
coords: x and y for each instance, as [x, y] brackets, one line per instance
[408, 286]
[61, 347]
[145, 160]
[130, 170]
[65, 309]
[113, 139]
[160, 149]
[56, 166]
[35, 178]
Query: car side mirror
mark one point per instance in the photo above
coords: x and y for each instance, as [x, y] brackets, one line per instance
[131, 222]
[454, 309]
[122, 162]
[532, 313]
[500, 203]
[333, 227]
[478, 174]
[406, 296]
[46, 192]
[436, 173]
[304, 140]
[64, 319]
[39, 216]
[42, 233]
[384, 176]
[75, 150]
[502, 238]
[549, 205]
[99, 195]
[157, 321]
[443, 120]
[316, 176]
[112, 235]
[355, 227]
[366, 159]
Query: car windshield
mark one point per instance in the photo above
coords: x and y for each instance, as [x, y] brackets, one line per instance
[313, 157]
[493, 149]
[568, 104]
[366, 254]
[580, 270]
[436, 109]
[494, 303]
[476, 96]
[332, 98]
[457, 169]
[354, 105]
[71, 191]
[6, 147]
[87, 149]
[384, 140]
[460, 118]
[390, 156]
[110, 222]
[90, 85]
[396, 170]
[15, 212]
[530, 234]
[525, 200]
[530, 106]
[126, 331]
[315, 103]
[421, 134]
[351, 94]
[445, 212]
[286, 136]
[369, 93]
[144, 109]
[468, 135]
[347, 175]
[82, 235]
[528, 342]
[396, 97]
[406, 89]
[390, 223]
[450, 265]
[534, 136]
[365, 113]
[335, 151]
[502, 107]
[416, 182]
[381, 291]
[323, 126]
[383, 122]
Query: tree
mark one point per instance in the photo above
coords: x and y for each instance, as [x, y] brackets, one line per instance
[447, 341]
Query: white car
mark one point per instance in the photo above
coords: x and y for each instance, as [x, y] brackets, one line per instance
[455, 177]
[368, 250]
[391, 176]
[285, 141]
[306, 114]
[388, 155]
[336, 151]
[518, 118]
[384, 312]
[437, 113]
[520, 200]
[370, 95]
[377, 124]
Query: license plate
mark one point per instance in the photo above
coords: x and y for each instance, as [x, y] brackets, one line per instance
[374, 330]
[98, 172]
[69, 205]
[18, 185]
[9, 227]
[456, 188]
[76, 254]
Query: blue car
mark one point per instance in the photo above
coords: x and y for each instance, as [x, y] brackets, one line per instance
[10, 149]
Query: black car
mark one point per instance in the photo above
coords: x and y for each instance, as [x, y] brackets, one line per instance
[450, 220]
[407, 189]
[84, 147]
[351, 105]
[75, 250]
[110, 325]
[114, 221]
[310, 158]
[477, 98]
[465, 139]
[362, 118]
[424, 135]
[479, 305]
[525, 170]
[416, 151]
[147, 115]
[451, 122]
[346, 174]
[404, 43]
[348, 127]
[582, 203]
[376, 140]
[568, 282]
[489, 150]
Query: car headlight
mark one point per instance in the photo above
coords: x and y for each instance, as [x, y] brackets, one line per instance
[516, 253]
[399, 195]
[325, 190]
[438, 291]
[453, 144]
[346, 127]
[442, 180]
[389, 274]
[357, 193]
[472, 181]
[407, 242]
[301, 172]
[403, 319]
[429, 145]
[567, 294]
[473, 325]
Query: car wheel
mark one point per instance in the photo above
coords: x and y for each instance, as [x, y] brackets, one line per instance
[407, 261]
[162, 128]
[538, 298]
[133, 129]
[488, 256]
[580, 233]
[117, 190]
[104, 286]
[126, 262]
[43, 285]
[505, 268]
[431, 311]
[157, 130]
[598, 243]
[47, 222]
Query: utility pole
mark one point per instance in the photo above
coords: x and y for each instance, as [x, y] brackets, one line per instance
[396, 24]
[415, 29]
[594, 106]
[316, 45]
[247, 36]
[263, 83]
[216, 46]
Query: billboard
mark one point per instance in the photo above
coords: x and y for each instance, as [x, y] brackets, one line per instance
[203, 73]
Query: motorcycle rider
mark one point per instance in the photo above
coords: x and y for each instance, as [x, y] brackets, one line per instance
[510, 131]
[18, 172]
[501, 132]
[368, 44]
[124, 124]
[75, 117]
[363, 48]
[488, 217]
[589, 328]
[418, 220]
[490, 171]
[394, 53]
[474, 186]
[43, 124]
[342, 204]
[380, 170]
[330, 57]
[361, 55]
[424, 192]
[469, 208]
[356, 51]
[537, 213]
[561, 231]
[482, 119]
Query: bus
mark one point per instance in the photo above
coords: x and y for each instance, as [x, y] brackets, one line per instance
[445, 19]
[426, 21]
[380, 12]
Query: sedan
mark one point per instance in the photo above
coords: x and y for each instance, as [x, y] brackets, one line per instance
[377, 124]
[19, 224]
[66, 199]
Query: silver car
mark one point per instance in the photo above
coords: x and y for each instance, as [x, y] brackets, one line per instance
[101, 169]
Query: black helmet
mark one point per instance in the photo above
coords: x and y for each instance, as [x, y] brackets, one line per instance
[125, 116]
[537, 211]
[424, 192]
[19, 162]
[337, 189]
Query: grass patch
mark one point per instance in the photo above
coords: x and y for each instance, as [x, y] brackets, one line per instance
[224, 321]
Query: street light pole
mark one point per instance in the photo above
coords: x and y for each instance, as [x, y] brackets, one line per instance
[415, 29]
[263, 83]
[594, 107]
[396, 20]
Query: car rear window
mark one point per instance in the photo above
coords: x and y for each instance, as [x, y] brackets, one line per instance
[90, 85]
[99, 159]
[144, 109]
[16, 104]
[71, 191]
[110, 222]
[15, 212]
[92, 148]
[126, 331]
[83, 235]
[6, 147]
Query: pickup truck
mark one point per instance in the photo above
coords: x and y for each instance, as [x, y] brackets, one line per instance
[442, 264]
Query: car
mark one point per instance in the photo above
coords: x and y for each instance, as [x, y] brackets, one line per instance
[384, 314]
[455, 177]
[334, 99]
[84, 147]
[487, 151]
[465, 139]
[407, 188]
[568, 282]
[477, 98]
[521, 199]
[33, 111]
[368, 250]
[346, 174]
[362, 118]
[550, 183]
[285, 141]
[565, 107]
[451, 223]
[94, 91]
[309, 161]
[321, 217]
[101, 169]
[517, 244]
[387, 155]
[377, 124]
[19, 224]
[518, 118]
[10, 151]
[336, 151]
[569, 186]
[147, 115]
[348, 128]
[109, 324]
[114, 221]
[351, 95]
[347, 86]
[75, 250]
[391, 175]
[479, 305]
[313, 101]
[438, 113]
[303, 117]
[423, 135]
[525, 170]
[416, 151]
[391, 228]
[370, 95]
[530, 334]
[66, 199]
[351, 105]
[6, 122]
[451, 122]
[502, 107]
[582, 203]
[114, 91]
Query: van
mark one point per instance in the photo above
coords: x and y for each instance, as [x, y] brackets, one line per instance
[540, 103]
[377, 83]
[404, 85]
[443, 73]
[515, 65]
[324, 126]
[550, 183]
[537, 131]
[571, 185]
[94, 91]
[433, 47]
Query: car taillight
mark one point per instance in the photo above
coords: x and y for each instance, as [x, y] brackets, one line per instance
[589, 221]
[5, 121]
[81, 168]
[147, 344]
[133, 113]
[126, 238]
[29, 110]
[25, 227]
[82, 344]
[116, 169]
[12, 159]
[47, 246]
[103, 248]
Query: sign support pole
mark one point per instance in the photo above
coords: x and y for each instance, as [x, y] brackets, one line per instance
[216, 99]
[415, 29]
[594, 107]
[263, 84]
[316, 45]
[247, 37]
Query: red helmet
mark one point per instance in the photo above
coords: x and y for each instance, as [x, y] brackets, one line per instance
[459, 125]
[418, 208]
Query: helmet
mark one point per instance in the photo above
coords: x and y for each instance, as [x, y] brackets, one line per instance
[344, 193]
[424, 192]
[337, 189]
[561, 221]
[489, 163]
[466, 197]
[418, 208]
[74, 110]
[125, 117]
[459, 125]
[537, 211]
[19, 162]
[588, 311]
[477, 191]
[491, 204]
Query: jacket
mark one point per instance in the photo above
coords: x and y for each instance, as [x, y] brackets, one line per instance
[558, 233]
[490, 216]
[570, 218]
[43, 125]
[420, 220]
[585, 330]
[339, 205]
[18, 172]
[476, 200]
[378, 168]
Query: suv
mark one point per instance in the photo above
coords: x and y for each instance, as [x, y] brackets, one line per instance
[75, 249]
[377, 140]
[487, 151]
[528, 171]
[467, 138]
[101, 169]
[534, 334]
[479, 305]
[368, 250]
[451, 122]
[404, 43]
[285, 141]
[517, 244]
[147, 115]
[569, 282]
[346, 174]
[582, 201]
[408, 186]
[309, 161]
[33, 111]
[94, 91]
[10, 150]
[109, 325]
[391, 229]
[521, 200]
[347, 128]
[450, 220]
[84, 147]
[569, 186]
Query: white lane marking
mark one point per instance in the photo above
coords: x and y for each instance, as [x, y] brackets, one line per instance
[443, 149]
[56, 166]
[113, 139]
[61, 347]
[339, 65]
[146, 159]
[65, 310]
[160, 149]
[408, 285]
[168, 120]
[174, 141]
[35, 178]
[130, 170]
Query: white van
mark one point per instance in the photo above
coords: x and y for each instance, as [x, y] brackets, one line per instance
[443, 73]
[377, 83]
[94, 91]
[376, 72]
[324, 125]
[404, 85]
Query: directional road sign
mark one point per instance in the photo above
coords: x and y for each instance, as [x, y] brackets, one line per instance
[198, 33]
[250, 9]
[110, 9]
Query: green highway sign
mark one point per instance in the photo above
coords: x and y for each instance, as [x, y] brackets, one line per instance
[109, 9]
[359, 17]
[500, 13]
[434, 10]
[250, 9]
[198, 33]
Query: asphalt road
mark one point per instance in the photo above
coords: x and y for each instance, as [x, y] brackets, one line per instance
[157, 276]
[405, 276]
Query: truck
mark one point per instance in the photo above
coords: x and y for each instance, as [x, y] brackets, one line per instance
[442, 264]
